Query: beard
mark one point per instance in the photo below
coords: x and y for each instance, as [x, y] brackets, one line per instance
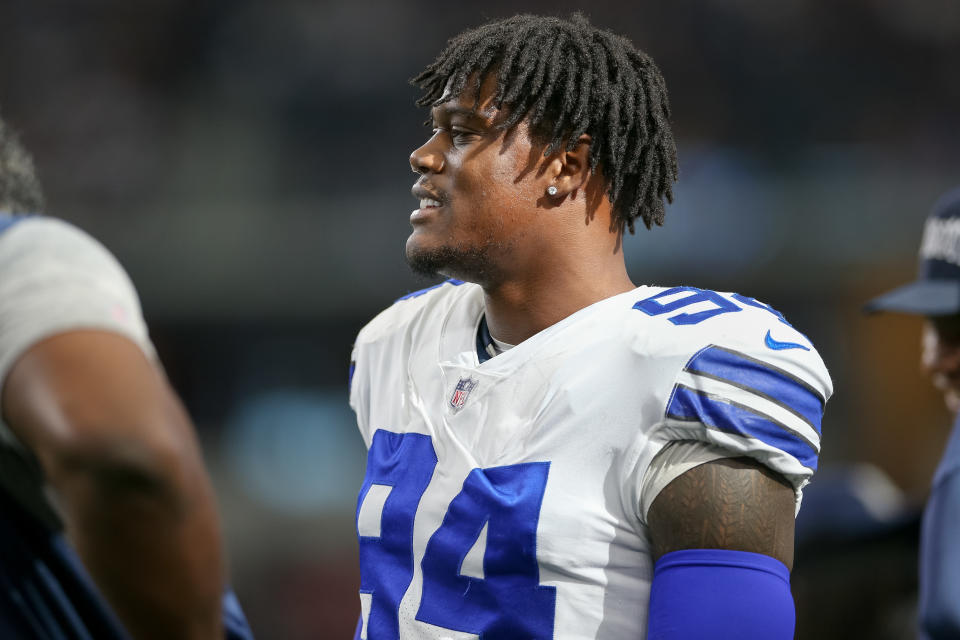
[470, 264]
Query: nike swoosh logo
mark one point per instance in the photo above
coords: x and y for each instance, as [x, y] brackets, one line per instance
[780, 346]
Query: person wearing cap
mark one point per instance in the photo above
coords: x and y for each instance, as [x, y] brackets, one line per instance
[935, 294]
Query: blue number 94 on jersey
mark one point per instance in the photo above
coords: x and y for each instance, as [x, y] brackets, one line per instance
[480, 572]
[715, 304]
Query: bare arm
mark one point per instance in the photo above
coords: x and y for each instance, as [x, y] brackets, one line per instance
[123, 460]
[733, 503]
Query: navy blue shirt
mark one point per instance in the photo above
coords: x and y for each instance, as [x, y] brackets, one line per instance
[7, 220]
[940, 548]
[44, 591]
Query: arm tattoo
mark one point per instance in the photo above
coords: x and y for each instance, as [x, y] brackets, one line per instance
[733, 503]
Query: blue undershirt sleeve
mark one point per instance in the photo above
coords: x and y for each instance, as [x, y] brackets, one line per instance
[235, 625]
[940, 561]
[722, 595]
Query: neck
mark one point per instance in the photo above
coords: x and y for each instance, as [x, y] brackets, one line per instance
[520, 307]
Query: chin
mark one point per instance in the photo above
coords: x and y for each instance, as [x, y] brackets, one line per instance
[952, 399]
[427, 261]
[470, 264]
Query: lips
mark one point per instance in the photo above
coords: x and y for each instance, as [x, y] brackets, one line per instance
[422, 193]
[952, 398]
[422, 214]
[947, 382]
[430, 201]
[949, 385]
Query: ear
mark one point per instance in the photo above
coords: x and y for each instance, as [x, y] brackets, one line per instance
[570, 170]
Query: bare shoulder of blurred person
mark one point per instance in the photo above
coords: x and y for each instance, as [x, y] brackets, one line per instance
[101, 474]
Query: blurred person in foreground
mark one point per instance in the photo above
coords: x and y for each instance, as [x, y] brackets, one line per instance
[936, 296]
[555, 452]
[100, 470]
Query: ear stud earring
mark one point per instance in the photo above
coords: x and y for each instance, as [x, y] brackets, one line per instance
[552, 190]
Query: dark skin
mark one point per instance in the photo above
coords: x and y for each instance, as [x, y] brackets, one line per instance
[940, 358]
[541, 258]
[121, 457]
[734, 503]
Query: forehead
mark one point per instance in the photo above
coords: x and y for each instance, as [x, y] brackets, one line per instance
[471, 100]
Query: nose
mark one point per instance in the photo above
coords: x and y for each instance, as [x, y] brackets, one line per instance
[427, 158]
[939, 356]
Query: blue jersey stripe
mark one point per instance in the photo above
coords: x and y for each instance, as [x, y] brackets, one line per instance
[417, 294]
[7, 221]
[724, 415]
[761, 378]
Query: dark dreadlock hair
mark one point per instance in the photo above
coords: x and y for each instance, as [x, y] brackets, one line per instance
[568, 78]
[19, 187]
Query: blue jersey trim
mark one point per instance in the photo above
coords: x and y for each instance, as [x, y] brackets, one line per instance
[484, 341]
[235, 625]
[7, 220]
[763, 379]
[725, 415]
[417, 294]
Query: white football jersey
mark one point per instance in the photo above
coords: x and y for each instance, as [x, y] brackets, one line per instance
[508, 499]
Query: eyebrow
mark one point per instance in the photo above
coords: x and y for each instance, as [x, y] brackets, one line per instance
[455, 110]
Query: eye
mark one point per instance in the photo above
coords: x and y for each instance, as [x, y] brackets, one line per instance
[460, 135]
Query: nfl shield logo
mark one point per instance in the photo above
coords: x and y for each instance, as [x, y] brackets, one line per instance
[462, 392]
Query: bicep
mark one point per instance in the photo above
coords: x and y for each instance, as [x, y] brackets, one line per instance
[734, 503]
[86, 393]
[72, 338]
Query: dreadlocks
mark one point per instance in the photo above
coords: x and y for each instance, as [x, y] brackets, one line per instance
[569, 78]
[19, 187]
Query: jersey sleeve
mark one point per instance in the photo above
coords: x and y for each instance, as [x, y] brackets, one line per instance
[672, 461]
[755, 388]
[359, 391]
[56, 278]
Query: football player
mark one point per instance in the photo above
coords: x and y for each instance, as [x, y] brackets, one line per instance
[101, 475]
[555, 452]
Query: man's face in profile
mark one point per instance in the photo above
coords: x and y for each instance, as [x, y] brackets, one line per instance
[941, 356]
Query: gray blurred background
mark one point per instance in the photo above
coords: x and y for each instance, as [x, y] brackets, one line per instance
[247, 163]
